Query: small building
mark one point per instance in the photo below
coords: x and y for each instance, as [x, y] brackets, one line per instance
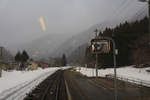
[44, 65]
[32, 66]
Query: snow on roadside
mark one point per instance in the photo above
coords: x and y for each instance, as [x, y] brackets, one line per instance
[15, 78]
[126, 72]
[16, 84]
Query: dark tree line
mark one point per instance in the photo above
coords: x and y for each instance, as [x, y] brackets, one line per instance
[21, 58]
[61, 61]
[131, 41]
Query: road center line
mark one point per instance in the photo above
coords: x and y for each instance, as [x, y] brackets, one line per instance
[68, 92]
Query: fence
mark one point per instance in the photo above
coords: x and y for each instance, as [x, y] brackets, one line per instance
[130, 80]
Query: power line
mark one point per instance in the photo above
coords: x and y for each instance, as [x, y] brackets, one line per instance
[139, 14]
[1, 55]
[121, 8]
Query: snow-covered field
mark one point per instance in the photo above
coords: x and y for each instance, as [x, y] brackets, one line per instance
[125, 72]
[16, 84]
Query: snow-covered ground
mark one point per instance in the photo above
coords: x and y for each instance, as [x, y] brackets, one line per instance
[16, 84]
[125, 72]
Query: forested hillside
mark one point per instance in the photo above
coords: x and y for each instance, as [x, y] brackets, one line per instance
[132, 42]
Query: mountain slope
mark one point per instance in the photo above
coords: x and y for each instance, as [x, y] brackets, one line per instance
[55, 45]
[72, 45]
[42, 47]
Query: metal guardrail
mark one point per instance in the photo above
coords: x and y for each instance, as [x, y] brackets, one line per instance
[131, 80]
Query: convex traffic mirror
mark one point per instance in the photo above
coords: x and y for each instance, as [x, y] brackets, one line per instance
[100, 45]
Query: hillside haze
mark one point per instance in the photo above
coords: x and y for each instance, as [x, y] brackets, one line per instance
[71, 36]
[55, 45]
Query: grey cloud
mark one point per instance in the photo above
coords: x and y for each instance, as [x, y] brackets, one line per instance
[19, 18]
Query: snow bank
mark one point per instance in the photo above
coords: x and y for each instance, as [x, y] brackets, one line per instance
[16, 84]
[126, 72]
[15, 78]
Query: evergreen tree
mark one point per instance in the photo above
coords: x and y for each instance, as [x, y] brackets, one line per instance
[64, 61]
[24, 56]
[128, 38]
[18, 57]
[21, 58]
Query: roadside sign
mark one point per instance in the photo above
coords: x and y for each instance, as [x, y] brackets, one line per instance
[100, 45]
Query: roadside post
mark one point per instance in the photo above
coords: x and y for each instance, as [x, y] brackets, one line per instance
[101, 45]
[96, 65]
[79, 68]
[1, 55]
[94, 49]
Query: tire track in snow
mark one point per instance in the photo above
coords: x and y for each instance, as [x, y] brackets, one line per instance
[19, 92]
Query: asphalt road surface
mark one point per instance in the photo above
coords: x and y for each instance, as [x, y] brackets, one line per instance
[80, 87]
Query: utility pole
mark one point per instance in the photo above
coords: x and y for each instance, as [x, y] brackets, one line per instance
[148, 2]
[96, 65]
[96, 50]
[1, 58]
[115, 52]
[149, 21]
[79, 60]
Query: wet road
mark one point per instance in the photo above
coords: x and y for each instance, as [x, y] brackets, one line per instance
[83, 88]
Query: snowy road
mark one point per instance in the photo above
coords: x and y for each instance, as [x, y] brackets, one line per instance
[19, 91]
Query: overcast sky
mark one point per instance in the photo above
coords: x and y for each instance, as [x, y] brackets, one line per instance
[19, 19]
